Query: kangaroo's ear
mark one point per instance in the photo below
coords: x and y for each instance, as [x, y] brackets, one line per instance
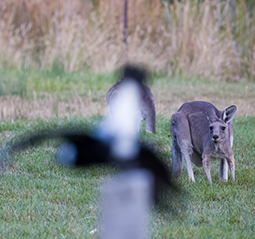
[208, 118]
[229, 113]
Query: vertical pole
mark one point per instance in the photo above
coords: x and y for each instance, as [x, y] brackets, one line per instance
[127, 200]
[125, 30]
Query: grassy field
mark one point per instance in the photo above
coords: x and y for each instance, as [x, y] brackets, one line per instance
[40, 199]
[28, 94]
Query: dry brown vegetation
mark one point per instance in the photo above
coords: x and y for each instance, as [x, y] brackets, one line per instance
[179, 37]
[51, 106]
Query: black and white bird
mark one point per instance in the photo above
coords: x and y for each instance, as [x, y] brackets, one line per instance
[144, 103]
[115, 140]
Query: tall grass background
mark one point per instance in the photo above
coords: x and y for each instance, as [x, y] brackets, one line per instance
[210, 38]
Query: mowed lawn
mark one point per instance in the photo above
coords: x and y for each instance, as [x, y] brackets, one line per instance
[40, 199]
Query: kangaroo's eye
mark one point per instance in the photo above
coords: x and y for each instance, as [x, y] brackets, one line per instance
[223, 127]
[211, 128]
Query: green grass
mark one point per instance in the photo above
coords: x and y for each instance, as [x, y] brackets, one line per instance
[40, 199]
[25, 82]
[27, 94]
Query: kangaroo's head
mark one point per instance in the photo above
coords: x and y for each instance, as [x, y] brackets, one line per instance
[218, 127]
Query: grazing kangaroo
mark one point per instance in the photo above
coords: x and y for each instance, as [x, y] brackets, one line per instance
[146, 102]
[200, 132]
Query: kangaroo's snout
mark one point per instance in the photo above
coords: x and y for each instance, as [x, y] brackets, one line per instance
[215, 137]
[217, 131]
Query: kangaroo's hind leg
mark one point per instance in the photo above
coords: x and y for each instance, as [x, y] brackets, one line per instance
[177, 158]
[179, 128]
[231, 164]
[149, 114]
[196, 159]
[223, 170]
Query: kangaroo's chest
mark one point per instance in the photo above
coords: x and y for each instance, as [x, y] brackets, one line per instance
[218, 152]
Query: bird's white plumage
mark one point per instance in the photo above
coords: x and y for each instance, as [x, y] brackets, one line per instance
[123, 123]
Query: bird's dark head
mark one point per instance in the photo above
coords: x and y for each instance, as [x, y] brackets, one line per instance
[138, 73]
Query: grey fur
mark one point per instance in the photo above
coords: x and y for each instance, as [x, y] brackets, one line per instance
[193, 127]
[147, 105]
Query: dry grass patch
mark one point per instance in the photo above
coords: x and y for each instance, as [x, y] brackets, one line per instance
[169, 96]
[52, 105]
[198, 37]
[83, 94]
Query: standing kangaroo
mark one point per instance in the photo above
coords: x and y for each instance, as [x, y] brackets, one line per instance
[146, 102]
[200, 132]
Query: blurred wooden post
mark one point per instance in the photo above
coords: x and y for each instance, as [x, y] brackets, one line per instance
[125, 31]
[124, 54]
[127, 199]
